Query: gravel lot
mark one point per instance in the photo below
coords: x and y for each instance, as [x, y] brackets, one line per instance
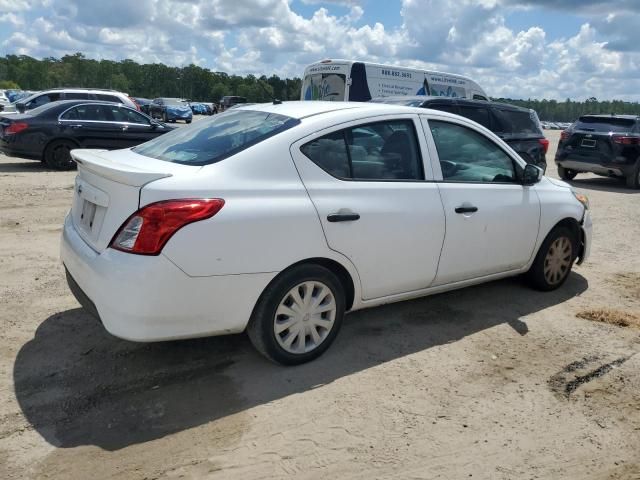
[496, 381]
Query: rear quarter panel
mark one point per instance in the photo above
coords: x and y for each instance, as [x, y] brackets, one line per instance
[267, 223]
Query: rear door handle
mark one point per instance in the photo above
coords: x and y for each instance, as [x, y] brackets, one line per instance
[75, 126]
[466, 209]
[343, 217]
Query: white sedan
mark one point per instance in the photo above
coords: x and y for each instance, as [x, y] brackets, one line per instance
[278, 219]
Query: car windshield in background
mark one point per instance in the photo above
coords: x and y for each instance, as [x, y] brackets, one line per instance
[172, 101]
[605, 124]
[210, 141]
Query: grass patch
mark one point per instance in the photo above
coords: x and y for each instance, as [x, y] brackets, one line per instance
[612, 317]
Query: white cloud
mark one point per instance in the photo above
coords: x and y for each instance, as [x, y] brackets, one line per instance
[269, 36]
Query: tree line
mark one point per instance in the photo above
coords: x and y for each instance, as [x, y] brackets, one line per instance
[201, 84]
[141, 80]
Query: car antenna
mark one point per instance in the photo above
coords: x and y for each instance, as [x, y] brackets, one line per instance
[273, 99]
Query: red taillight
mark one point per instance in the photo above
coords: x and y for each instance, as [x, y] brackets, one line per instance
[148, 230]
[625, 140]
[16, 127]
[545, 144]
[564, 135]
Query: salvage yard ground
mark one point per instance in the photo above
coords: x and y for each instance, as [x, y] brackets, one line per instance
[495, 381]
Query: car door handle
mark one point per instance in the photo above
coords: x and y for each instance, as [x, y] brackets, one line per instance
[75, 126]
[343, 217]
[466, 209]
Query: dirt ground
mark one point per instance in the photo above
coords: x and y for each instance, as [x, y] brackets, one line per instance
[496, 381]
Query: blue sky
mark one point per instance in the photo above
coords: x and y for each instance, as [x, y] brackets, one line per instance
[513, 48]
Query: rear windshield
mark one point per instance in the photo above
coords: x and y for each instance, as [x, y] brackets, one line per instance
[517, 121]
[209, 141]
[601, 124]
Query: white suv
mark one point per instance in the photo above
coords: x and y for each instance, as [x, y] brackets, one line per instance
[55, 94]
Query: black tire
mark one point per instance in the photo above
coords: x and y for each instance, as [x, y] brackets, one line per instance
[541, 280]
[165, 119]
[57, 155]
[633, 179]
[566, 174]
[262, 325]
[188, 121]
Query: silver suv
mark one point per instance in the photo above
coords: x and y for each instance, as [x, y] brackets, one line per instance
[55, 94]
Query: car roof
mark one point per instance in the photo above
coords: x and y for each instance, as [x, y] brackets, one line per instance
[303, 109]
[606, 116]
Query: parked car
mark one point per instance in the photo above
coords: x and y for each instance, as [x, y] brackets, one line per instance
[199, 108]
[519, 127]
[143, 104]
[50, 132]
[57, 94]
[279, 218]
[607, 145]
[4, 100]
[170, 110]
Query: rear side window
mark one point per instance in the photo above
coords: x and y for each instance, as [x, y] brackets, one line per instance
[602, 124]
[95, 113]
[107, 98]
[479, 115]
[377, 151]
[209, 141]
[76, 96]
[515, 121]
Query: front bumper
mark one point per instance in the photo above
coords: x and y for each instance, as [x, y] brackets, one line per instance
[587, 232]
[148, 298]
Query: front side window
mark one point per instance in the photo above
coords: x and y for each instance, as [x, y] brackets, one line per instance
[76, 96]
[212, 140]
[468, 156]
[377, 151]
[107, 98]
[125, 115]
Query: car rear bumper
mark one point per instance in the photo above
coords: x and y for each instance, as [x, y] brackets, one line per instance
[148, 298]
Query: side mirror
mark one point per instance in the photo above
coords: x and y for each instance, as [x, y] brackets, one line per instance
[21, 106]
[532, 174]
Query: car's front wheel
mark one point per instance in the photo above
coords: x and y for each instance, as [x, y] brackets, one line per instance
[566, 174]
[554, 260]
[298, 315]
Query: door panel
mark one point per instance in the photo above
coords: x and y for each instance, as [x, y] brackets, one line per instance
[492, 220]
[393, 230]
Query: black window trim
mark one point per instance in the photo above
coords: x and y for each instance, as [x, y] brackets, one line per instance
[384, 180]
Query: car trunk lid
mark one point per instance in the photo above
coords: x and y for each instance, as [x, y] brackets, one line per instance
[107, 190]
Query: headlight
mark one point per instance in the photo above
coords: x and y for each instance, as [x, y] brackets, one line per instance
[582, 198]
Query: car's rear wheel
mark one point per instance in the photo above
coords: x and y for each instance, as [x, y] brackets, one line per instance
[57, 155]
[566, 174]
[298, 315]
[554, 260]
[633, 179]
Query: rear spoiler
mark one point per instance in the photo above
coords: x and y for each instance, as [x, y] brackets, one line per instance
[93, 161]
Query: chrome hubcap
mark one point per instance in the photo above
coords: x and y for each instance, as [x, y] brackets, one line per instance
[557, 263]
[305, 317]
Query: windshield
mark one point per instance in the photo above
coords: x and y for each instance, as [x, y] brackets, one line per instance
[324, 86]
[212, 140]
[605, 124]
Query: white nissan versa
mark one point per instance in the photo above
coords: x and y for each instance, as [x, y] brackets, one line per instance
[279, 218]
